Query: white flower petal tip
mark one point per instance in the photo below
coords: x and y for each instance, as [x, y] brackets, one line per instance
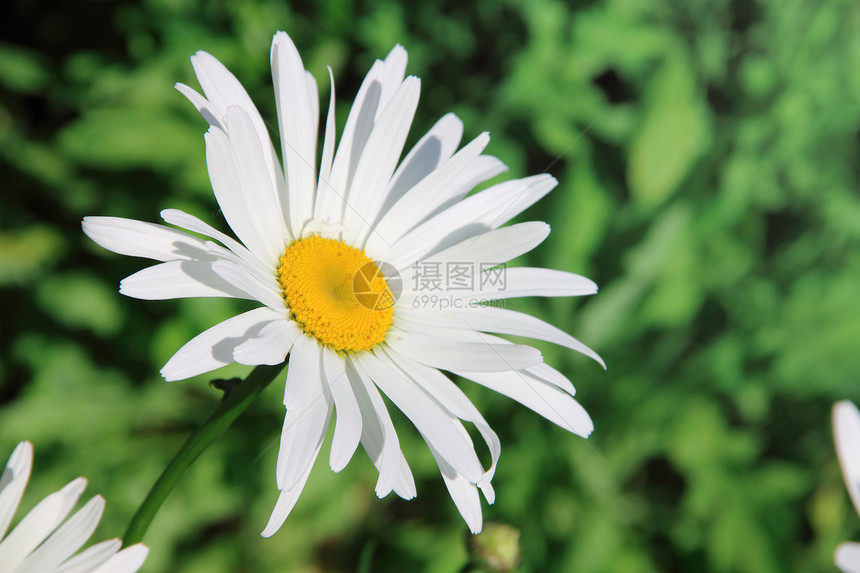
[20, 461]
[847, 557]
[285, 504]
[128, 560]
[312, 236]
[586, 429]
[846, 436]
[214, 348]
[47, 539]
[487, 489]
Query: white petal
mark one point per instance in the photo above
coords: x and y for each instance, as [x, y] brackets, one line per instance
[449, 395]
[847, 557]
[347, 429]
[91, 558]
[13, 482]
[378, 160]
[263, 275]
[328, 199]
[549, 374]
[525, 281]
[511, 198]
[548, 400]
[19, 463]
[66, 539]
[463, 492]
[270, 346]
[393, 71]
[434, 424]
[38, 524]
[502, 283]
[223, 90]
[473, 215]
[846, 435]
[214, 348]
[500, 321]
[221, 87]
[192, 223]
[462, 334]
[455, 355]
[128, 560]
[355, 133]
[178, 279]
[314, 99]
[302, 374]
[139, 239]
[436, 147]
[258, 186]
[287, 501]
[31, 531]
[203, 105]
[304, 426]
[419, 202]
[225, 174]
[405, 484]
[379, 437]
[378, 87]
[298, 128]
[492, 248]
[246, 282]
[71, 494]
[484, 167]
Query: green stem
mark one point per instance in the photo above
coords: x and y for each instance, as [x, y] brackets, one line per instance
[229, 409]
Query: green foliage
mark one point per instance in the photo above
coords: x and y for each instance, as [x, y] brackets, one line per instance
[707, 155]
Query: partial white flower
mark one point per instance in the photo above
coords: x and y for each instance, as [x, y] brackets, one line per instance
[326, 244]
[42, 542]
[846, 435]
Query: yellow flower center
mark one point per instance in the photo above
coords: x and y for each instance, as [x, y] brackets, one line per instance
[335, 293]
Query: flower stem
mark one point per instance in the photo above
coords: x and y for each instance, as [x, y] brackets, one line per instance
[233, 404]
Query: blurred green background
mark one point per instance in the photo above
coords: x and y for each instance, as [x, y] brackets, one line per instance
[707, 153]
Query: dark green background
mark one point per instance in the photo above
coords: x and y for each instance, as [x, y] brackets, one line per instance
[707, 153]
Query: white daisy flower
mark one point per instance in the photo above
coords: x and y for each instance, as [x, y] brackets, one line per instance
[846, 435]
[40, 544]
[354, 259]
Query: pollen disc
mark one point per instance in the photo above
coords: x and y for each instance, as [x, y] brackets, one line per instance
[336, 293]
